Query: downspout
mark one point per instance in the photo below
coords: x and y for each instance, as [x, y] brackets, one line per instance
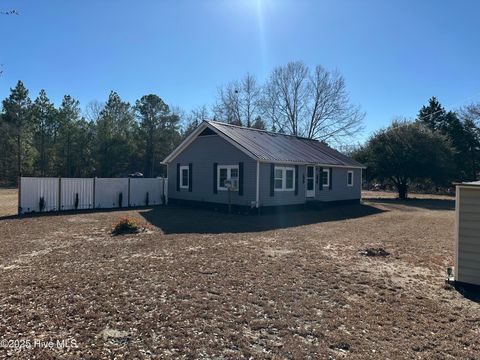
[257, 195]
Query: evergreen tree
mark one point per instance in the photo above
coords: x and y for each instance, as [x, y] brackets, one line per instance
[462, 136]
[259, 124]
[66, 149]
[45, 127]
[115, 141]
[433, 114]
[151, 112]
[16, 116]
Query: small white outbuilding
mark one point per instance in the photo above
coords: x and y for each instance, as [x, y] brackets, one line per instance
[467, 233]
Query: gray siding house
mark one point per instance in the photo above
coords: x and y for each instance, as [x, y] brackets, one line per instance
[220, 164]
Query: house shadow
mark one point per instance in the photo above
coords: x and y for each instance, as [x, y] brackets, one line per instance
[175, 219]
[428, 204]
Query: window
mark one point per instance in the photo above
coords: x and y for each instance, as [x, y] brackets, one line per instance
[184, 175]
[350, 178]
[326, 178]
[278, 178]
[224, 173]
[284, 178]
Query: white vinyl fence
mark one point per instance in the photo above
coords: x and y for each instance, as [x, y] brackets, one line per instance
[38, 194]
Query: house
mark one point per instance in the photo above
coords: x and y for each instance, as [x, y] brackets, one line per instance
[221, 163]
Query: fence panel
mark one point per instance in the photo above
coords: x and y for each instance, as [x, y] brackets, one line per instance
[70, 187]
[140, 187]
[101, 193]
[34, 188]
[108, 190]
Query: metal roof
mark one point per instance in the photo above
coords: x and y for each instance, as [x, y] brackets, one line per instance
[468, 183]
[270, 146]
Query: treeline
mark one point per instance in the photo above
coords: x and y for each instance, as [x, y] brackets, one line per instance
[436, 149]
[117, 138]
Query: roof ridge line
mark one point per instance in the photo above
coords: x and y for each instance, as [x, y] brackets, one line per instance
[261, 130]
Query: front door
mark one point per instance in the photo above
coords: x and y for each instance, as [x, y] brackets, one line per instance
[310, 181]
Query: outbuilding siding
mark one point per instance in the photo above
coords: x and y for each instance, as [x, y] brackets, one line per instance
[202, 153]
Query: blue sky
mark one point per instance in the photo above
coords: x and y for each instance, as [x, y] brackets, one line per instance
[393, 54]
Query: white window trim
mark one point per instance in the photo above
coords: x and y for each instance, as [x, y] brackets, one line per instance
[284, 178]
[327, 171]
[181, 177]
[229, 176]
[348, 173]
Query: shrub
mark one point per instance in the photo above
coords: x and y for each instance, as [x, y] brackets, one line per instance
[127, 225]
[120, 200]
[41, 204]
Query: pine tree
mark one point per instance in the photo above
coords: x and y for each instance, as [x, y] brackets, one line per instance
[66, 149]
[463, 137]
[16, 114]
[151, 112]
[115, 143]
[45, 127]
[433, 114]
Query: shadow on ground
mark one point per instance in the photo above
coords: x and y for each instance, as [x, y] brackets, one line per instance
[429, 204]
[470, 292]
[181, 220]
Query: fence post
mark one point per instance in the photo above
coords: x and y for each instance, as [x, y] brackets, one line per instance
[128, 204]
[19, 210]
[59, 194]
[94, 200]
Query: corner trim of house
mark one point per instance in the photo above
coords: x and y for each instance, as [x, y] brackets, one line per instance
[257, 192]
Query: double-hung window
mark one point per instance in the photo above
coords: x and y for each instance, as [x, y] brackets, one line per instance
[184, 177]
[284, 178]
[326, 178]
[226, 173]
[350, 178]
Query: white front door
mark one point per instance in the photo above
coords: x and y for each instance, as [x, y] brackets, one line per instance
[310, 192]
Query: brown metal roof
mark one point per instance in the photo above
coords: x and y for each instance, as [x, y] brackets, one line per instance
[269, 146]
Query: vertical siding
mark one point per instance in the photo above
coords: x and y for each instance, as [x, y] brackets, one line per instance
[202, 153]
[467, 268]
[72, 186]
[107, 191]
[33, 188]
[139, 189]
[340, 190]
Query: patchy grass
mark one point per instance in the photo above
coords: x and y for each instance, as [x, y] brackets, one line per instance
[8, 202]
[289, 285]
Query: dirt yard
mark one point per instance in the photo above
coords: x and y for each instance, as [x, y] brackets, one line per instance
[200, 284]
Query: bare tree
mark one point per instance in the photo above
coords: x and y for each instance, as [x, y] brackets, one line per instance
[239, 102]
[332, 116]
[194, 119]
[92, 110]
[314, 104]
[471, 112]
[287, 94]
